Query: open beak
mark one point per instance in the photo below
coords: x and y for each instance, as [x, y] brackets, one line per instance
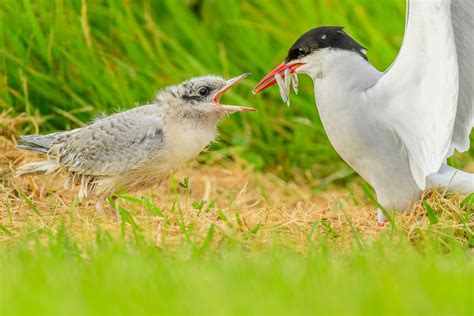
[230, 83]
[282, 71]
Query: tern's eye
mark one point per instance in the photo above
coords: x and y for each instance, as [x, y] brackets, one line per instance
[296, 53]
[203, 91]
[303, 52]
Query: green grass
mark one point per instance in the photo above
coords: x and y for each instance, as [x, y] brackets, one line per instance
[113, 277]
[199, 258]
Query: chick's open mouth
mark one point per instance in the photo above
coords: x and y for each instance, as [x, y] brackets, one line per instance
[230, 83]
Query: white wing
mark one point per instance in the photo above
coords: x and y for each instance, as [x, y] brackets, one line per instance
[462, 12]
[417, 97]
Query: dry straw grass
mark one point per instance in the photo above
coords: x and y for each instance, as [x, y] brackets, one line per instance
[242, 205]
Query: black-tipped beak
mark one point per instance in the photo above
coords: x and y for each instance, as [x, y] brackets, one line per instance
[269, 80]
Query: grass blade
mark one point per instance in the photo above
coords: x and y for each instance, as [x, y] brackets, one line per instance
[430, 212]
[30, 204]
[369, 194]
[144, 202]
[208, 240]
[127, 217]
[6, 230]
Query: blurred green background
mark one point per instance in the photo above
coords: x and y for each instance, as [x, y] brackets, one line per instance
[69, 61]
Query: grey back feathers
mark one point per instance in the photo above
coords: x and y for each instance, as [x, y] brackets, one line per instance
[111, 145]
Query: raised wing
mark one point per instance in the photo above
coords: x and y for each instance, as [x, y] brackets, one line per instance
[418, 95]
[112, 145]
[462, 12]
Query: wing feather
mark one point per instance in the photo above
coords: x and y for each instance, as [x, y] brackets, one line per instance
[419, 92]
[462, 12]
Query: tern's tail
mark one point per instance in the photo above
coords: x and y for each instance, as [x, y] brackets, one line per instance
[451, 179]
[38, 143]
[41, 144]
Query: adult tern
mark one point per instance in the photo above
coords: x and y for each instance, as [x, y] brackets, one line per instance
[396, 128]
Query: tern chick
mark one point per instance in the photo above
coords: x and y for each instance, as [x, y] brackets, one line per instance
[137, 148]
[395, 128]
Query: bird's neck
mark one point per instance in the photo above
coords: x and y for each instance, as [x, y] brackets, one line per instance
[198, 117]
[342, 69]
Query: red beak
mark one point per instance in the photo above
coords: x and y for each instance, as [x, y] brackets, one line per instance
[269, 80]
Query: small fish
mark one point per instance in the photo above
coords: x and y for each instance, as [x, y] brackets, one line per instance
[282, 88]
[288, 84]
[294, 82]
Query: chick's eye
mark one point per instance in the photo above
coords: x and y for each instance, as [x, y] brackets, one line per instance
[203, 91]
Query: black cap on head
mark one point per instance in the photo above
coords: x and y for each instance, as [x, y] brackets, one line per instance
[324, 37]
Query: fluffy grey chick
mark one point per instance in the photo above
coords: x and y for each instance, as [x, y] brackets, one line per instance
[137, 148]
